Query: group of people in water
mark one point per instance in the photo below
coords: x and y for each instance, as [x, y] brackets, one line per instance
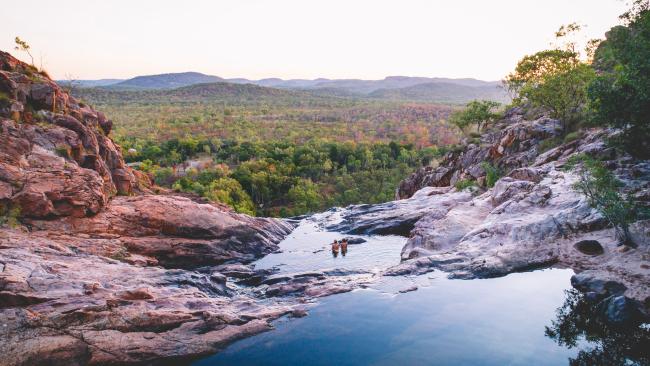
[341, 245]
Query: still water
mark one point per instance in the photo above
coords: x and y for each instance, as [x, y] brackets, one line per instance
[444, 322]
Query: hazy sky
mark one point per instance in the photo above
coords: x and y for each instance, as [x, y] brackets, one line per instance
[367, 39]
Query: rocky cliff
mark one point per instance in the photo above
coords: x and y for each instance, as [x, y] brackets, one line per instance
[97, 269]
[531, 218]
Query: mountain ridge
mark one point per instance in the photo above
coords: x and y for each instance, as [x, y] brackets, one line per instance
[463, 89]
[420, 89]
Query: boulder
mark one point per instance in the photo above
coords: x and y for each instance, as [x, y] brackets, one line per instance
[353, 241]
[621, 310]
[593, 282]
[397, 217]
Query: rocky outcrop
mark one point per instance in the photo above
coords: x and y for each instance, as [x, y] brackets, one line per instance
[56, 158]
[532, 217]
[515, 144]
[397, 217]
[174, 232]
[100, 270]
[62, 305]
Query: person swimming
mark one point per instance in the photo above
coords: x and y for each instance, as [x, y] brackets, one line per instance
[344, 244]
[335, 248]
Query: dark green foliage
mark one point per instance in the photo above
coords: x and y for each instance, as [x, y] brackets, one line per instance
[281, 178]
[603, 191]
[230, 192]
[163, 176]
[5, 100]
[572, 136]
[620, 95]
[549, 144]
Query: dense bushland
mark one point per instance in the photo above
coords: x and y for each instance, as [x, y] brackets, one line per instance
[279, 178]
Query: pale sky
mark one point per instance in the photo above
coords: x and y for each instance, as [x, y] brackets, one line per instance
[367, 39]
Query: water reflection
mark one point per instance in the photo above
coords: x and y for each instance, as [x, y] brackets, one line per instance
[491, 322]
[577, 320]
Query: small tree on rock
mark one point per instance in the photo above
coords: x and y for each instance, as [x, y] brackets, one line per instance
[477, 112]
[23, 46]
[555, 80]
[602, 189]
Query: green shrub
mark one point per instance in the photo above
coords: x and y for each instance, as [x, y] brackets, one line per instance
[549, 144]
[603, 191]
[5, 100]
[492, 174]
[620, 95]
[456, 148]
[572, 137]
[9, 216]
[464, 184]
[62, 151]
[163, 176]
[477, 112]
[555, 80]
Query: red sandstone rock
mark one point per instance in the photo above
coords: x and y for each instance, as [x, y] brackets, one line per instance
[84, 285]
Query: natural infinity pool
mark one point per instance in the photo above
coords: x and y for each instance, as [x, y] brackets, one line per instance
[444, 322]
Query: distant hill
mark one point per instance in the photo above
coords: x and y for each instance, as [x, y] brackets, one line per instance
[281, 83]
[436, 90]
[165, 81]
[443, 92]
[88, 83]
[220, 92]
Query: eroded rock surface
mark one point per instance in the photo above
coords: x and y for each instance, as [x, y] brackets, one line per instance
[56, 158]
[532, 217]
[174, 231]
[515, 144]
[62, 307]
[397, 217]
